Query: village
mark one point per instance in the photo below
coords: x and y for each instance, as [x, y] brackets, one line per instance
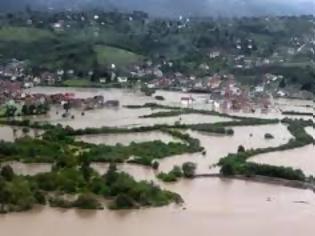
[234, 71]
[223, 91]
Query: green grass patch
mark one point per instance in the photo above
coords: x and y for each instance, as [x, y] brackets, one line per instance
[111, 55]
[23, 34]
[77, 83]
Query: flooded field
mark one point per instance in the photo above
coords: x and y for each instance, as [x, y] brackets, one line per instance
[115, 117]
[126, 139]
[212, 206]
[130, 117]
[295, 105]
[299, 158]
[9, 134]
[20, 168]
[219, 146]
[277, 105]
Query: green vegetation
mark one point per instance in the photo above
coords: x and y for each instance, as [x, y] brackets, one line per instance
[187, 170]
[172, 176]
[236, 164]
[143, 153]
[295, 113]
[32, 150]
[23, 34]
[128, 193]
[92, 44]
[19, 193]
[110, 55]
[166, 114]
[77, 83]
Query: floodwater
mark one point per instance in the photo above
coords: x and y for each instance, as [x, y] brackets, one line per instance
[9, 133]
[115, 117]
[122, 117]
[218, 146]
[20, 168]
[277, 105]
[126, 139]
[299, 158]
[213, 207]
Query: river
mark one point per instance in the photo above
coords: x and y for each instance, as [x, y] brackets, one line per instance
[213, 207]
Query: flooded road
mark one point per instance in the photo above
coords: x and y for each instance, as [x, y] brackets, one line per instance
[213, 207]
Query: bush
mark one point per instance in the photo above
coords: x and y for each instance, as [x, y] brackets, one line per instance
[241, 149]
[60, 202]
[40, 197]
[123, 201]
[227, 169]
[7, 173]
[269, 136]
[87, 201]
[155, 165]
[167, 177]
[172, 176]
[189, 169]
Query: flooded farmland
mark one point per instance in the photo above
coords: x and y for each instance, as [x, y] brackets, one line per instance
[299, 158]
[9, 134]
[126, 139]
[212, 205]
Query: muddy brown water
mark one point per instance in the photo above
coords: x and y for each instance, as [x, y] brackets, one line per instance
[299, 158]
[126, 139]
[212, 206]
[10, 133]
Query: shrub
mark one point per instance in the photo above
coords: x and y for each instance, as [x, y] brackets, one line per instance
[269, 136]
[87, 201]
[189, 169]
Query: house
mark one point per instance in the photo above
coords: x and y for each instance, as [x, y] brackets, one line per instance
[281, 93]
[28, 85]
[259, 89]
[48, 78]
[214, 54]
[214, 82]
[36, 80]
[102, 80]
[186, 101]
